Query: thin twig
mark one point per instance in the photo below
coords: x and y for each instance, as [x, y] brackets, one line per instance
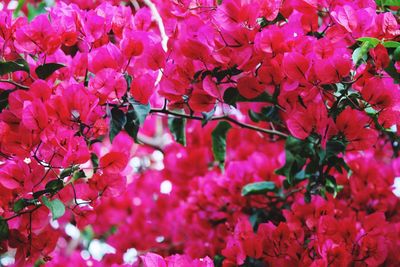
[217, 118]
[14, 83]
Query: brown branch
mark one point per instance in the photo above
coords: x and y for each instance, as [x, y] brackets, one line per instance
[217, 118]
[14, 83]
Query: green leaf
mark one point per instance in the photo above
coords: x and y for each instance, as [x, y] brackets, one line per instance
[254, 116]
[95, 161]
[12, 66]
[218, 259]
[4, 230]
[4, 99]
[56, 207]
[136, 117]
[177, 126]
[258, 188]
[19, 7]
[79, 174]
[117, 122]
[128, 79]
[34, 11]
[388, 2]
[219, 141]
[141, 110]
[197, 75]
[334, 147]
[54, 186]
[391, 70]
[39, 262]
[19, 205]
[264, 97]
[396, 54]
[67, 172]
[207, 116]
[46, 70]
[132, 124]
[39, 193]
[373, 41]
[358, 55]
[269, 114]
[391, 44]
[263, 22]
[297, 151]
[231, 96]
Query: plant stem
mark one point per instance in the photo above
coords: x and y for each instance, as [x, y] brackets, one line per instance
[226, 118]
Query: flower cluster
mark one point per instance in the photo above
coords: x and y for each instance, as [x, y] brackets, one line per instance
[250, 132]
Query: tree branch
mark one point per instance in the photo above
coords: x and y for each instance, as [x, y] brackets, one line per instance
[14, 83]
[217, 118]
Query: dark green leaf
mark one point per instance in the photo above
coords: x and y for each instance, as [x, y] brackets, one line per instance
[292, 167]
[231, 96]
[4, 99]
[297, 151]
[4, 230]
[340, 164]
[177, 126]
[54, 186]
[218, 259]
[206, 72]
[297, 146]
[39, 263]
[258, 217]
[66, 172]
[19, 205]
[313, 166]
[262, 22]
[56, 207]
[234, 71]
[334, 147]
[258, 188]
[128, 79]
[197, 75]
[132, 124]
[307, 197]
[264, 97]
[95, 160]
[254, 116]
[37, 194]
[117, 122]
[219, 141]
[252, 262]
[270, 113]
[220, 75]
[79, 174]
[141, 110]
[207, 116]
[391, 70]
[46, 70]
[396, 54]
[12, 66]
